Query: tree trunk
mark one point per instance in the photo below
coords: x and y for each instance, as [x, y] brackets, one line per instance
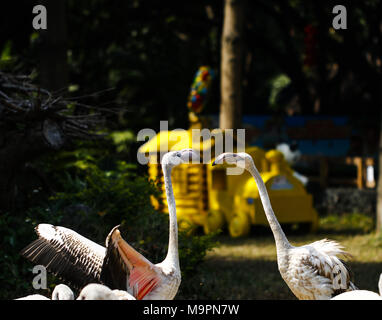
[17, 149]
[231, 65]
[379, 186]
[53, 50]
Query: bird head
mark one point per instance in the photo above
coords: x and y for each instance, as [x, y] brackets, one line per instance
[96, 291]
[241, 160]
[175, 158]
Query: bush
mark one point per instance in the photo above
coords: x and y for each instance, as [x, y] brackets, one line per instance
[92, 204]
[17, 231]
[352, 223]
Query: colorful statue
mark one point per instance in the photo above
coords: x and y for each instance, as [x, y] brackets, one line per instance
[199, 89]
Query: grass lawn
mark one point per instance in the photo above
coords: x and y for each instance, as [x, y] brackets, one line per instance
[247, 268]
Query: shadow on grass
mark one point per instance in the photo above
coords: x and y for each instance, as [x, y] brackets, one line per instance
[225, 277]
[366, 274]
[243, 279]
[257, 279]
[292, 231]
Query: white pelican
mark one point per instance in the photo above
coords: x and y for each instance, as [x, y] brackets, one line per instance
[96, 291]
[312, 271]
[361, 294]
[118, 266]
[358, 295]
[34, 297]
[60, 292]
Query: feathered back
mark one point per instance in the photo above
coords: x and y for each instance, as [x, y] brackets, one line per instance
[325, 258]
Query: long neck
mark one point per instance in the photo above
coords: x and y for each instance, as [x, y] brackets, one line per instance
[279, 235]
[172, 253]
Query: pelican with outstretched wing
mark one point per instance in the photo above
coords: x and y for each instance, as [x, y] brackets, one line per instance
[81, 261]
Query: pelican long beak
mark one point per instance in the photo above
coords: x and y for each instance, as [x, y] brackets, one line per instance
[143, 277]
[219, 159]
[129, 255]
[123, 247]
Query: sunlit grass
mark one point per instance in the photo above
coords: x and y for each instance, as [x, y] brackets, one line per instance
[349, 223]
[247, 268]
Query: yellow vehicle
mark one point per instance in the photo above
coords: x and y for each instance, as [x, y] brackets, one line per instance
[237, 197]
[209, 198]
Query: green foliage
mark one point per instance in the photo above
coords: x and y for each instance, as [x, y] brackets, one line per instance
[192, 250]
[277, 84]
[6, 52]
[347, 222]
[109, 198]
[122, 139]
[10, 262]
[121, 197]
[17, 231]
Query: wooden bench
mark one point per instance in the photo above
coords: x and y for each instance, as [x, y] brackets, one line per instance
[338, 171]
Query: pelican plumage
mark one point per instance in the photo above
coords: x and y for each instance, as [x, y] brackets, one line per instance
[81, 261]
[96, 291]
[313, 271]
[60, 292]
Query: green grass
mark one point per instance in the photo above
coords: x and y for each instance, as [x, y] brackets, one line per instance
[247, 268]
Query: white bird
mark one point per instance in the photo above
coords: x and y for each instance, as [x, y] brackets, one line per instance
[60, 292]
[312, 271]
[358, 295]
[96, 291]
[118, 266]
[291, 153]
[33, 297]
[361, 294]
